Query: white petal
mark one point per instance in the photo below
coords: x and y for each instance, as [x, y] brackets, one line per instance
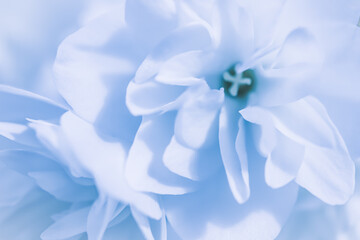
[144, 168]
[298, 120]
[69, 225]
[264, 17]
[100, 215]
[143, 223]
[268, 136]
[105, 161]
[16, 105]
[328, 174]
[151, 97]
[184, 68]
[283, 163]
[232, 142]
[13, 187]
[326, 168]
[298, 48]
[18, 222]
[195, 124]
[213, 213]
[190, 37]
[62, 186]
[195, 164]
[26, 161]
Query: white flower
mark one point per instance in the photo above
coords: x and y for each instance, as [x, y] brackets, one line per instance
[201, 118]
[77, 171]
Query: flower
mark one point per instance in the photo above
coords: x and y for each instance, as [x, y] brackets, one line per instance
[44, 155]
[190, 119]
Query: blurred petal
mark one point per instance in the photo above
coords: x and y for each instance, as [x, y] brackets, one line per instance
[62, 187]
[16, 105]
[213, 213]
[67, 226]
[13, 187]
[143, 223]
[104, 159]
[100, 214]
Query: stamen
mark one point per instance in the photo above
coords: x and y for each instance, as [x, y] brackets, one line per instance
[238, 84]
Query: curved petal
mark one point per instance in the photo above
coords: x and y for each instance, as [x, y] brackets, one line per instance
[190, 37]
[16, 105]
[17, 222]
[299, 47]
[100, 215]
[83, 62]
[104, 159]
[62, 187]
[184, 69]
[19, 133]
[67, 226]
[325, 167]
[213, 213]
[143, 223]
[233, 153]
[78, 145]
[27, 161]
[327, 174]
[144, 168]
[265, 16]
[295, 67]
[151, 97]
[196, 120]
[284, 161]
[13, 187]
[195, 164]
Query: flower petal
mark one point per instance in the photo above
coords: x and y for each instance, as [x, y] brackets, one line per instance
[62, 187]
[26, 161]
[264, 17]
[151, 97]
[13, 187]
[326, 168]
[283, 163]
[144, 168]
[327, 174]
[67, 226]
[213, 213]
[105, 161]
[195, 164]
[232, 142]
[193, 36]
[16, 105]
[100, 215]
[143, 223]
[195, 124]
[298, 48]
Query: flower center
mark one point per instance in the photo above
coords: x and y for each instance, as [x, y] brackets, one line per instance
[238, 84]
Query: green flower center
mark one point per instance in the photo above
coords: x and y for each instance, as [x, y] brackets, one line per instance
[238, 84]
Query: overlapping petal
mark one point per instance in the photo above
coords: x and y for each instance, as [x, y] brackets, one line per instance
[312, 150]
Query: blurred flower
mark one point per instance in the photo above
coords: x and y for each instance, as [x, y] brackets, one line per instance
[61, 155]
[193, 119]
